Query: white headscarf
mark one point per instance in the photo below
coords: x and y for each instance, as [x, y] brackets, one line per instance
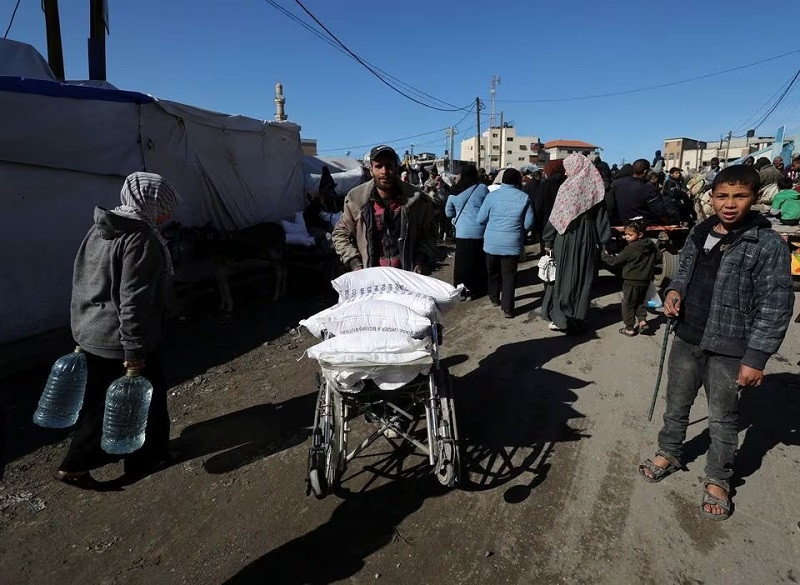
[147, 196]
[583, 189]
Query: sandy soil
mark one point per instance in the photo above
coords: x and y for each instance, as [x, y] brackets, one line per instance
[552, 429]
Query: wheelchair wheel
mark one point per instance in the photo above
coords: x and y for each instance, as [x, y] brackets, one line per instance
[448, 461]
[327, 455]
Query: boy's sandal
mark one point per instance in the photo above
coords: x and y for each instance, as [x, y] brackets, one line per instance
[82, 480]
[644, 328]
[657, 472]
[709, 499]
[628, 332]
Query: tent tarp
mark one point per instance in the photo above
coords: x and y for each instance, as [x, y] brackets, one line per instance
[22, 60]
[62, 153]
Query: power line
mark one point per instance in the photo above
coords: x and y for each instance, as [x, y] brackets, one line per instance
[327, 40]
[780, 99]
[371, 144]
[752, 117]
[13, 14]
[370, 69]
[652, 87]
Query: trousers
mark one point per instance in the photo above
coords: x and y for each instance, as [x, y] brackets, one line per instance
[502, 272]
[690, 367]
[85, 453]
[633, 300]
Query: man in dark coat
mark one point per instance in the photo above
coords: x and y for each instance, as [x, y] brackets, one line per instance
[633, 197]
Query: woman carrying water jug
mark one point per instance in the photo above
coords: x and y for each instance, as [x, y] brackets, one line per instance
[119, 289]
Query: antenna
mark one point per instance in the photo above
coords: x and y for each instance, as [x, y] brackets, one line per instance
[495, 81]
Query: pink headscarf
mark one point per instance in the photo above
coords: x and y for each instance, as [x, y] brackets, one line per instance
[583, 189]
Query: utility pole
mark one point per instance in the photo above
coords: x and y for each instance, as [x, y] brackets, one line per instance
[450, 132]
[493, 83]
[728, 148]
[98, 21]
[478, 138]
[502, 143]
[55, 54]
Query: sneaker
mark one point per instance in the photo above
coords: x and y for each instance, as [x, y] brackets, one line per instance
[495, 302]
[508, 314]
[554, 327]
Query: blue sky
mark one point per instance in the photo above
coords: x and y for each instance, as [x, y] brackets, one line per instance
[227, 56]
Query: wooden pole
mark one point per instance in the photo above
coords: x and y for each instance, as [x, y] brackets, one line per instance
[55, 54]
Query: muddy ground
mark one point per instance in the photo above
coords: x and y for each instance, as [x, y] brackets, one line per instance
[552, 429]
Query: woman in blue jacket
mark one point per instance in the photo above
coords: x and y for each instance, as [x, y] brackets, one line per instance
[462, 208]
[507, 215]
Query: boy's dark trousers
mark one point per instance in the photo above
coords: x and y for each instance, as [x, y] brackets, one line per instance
[634, 297]
[689, 368]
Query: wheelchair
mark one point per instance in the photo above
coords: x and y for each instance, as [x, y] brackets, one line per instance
[398, 416]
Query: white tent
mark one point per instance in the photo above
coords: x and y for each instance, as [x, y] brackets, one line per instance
[65, 149]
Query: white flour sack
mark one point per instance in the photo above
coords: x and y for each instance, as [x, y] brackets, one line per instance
[371, 349]
[368, 315]
[385, 279]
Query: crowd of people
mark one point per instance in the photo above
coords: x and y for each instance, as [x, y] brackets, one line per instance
[732, 297]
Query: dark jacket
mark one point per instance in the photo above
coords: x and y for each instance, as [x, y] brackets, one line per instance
[638, 261]
[545, 198]
[118, 289]
[752, 302]
[631, 197]
[353, 235]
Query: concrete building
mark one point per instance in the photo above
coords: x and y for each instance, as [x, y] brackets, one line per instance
[501, 147]
[691, 155]
[560, 149]
[309, 146]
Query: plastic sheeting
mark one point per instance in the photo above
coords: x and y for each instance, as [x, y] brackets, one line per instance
[65, 149]
[22, 60]
[347, 173]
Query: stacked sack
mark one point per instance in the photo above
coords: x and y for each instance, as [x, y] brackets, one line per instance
[296, 231]
[380, 328]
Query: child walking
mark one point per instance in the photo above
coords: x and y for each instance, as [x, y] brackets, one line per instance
[638, 261]
[733, 301]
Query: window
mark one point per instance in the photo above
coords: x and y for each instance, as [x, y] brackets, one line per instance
[494, 134]
[483, 147]
[509, 152]
[495, 147]
[521, 159]
[510, 139]
[523, 147]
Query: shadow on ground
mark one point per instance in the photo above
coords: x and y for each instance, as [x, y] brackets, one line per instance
[769, 416]
[365, 522]
[202, 339]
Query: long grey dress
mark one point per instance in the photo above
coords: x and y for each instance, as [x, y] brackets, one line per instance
[576, 251]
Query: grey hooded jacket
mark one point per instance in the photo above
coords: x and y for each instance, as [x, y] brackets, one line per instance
[118, 288]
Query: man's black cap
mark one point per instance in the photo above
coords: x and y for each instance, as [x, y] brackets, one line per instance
[382, 149]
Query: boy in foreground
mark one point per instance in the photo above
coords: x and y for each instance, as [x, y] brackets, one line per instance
[733, 302]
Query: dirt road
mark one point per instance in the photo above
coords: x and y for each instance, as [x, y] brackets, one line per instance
[553, 427]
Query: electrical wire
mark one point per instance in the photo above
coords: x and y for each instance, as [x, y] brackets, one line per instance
[404, 138]
[652, 87]
[373, 71]
[780, 99]
[754, 115]
[327, 40]
[11, 22]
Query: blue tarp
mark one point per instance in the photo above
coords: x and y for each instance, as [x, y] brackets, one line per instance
[65, 90]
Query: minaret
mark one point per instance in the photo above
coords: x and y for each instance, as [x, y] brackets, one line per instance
[280, 101]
